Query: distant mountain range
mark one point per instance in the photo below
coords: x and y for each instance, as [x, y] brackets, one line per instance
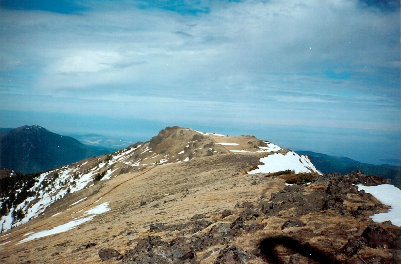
[30, 149]
[328, 164]
[103, 141]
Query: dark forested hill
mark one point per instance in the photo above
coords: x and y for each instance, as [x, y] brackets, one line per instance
[327, 164]
[31, 149]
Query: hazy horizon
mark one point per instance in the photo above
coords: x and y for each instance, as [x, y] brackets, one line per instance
[131, 131]
[314, 75]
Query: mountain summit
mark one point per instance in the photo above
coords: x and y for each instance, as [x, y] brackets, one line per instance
[192, 197]
[31, 149]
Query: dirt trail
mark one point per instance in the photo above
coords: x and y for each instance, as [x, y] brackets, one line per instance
[121, 183]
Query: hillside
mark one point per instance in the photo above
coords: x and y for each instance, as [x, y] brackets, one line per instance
[30, 149]
[329, 164]
[4, 130]
[192, 197]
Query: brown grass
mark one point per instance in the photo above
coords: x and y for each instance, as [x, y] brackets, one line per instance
[299, 178]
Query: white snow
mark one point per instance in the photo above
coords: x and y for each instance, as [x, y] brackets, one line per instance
[270, 147]
[127, 152]
[181, 152]
[290, 161]
[163, 161]
[79, 201]
[387, 194]
[82, 181]
[102, 208]
[69, 179]
[228, 144]
[136, 164]
[57, 229]
[241, 151]
[7, 221]
[107, 175]
[186, 159]
[207, 134]
[27, 234]
[101, 165]
[146, 150]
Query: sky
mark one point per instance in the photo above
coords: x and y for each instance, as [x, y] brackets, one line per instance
[305, 74]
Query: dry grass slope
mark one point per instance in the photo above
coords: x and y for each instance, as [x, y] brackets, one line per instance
[209, 210]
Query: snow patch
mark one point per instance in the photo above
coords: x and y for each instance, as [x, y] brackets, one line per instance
[163, 161]
[107, 175]
[102, 208]
[136, 164]
[290, 161]
[270, 147]
[146, 150]
[57, 229]
[186, 159]
[228, 144]
[387, 194]
[241, 151]
[126, 153]
[207, 134]
[77, 202]
[181, 152]
[82, 181]
[7, 221]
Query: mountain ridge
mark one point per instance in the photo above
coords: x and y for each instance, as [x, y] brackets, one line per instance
[31, 149]
[192, 197]
[171, 145]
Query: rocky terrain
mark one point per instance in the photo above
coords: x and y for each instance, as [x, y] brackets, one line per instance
[192, 197]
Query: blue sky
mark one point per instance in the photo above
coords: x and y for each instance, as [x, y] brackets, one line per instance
[314, 75]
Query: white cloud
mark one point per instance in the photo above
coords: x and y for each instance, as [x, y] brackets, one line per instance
[269, 54]
[86, 61]
[249, 38]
